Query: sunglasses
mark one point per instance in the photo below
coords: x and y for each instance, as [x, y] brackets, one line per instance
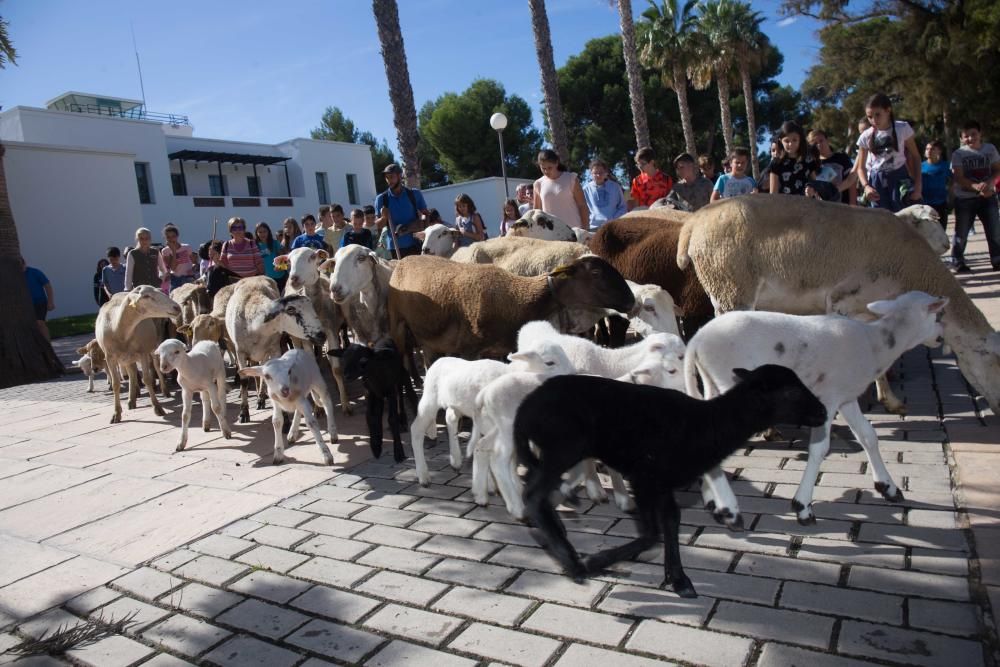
[235, 228]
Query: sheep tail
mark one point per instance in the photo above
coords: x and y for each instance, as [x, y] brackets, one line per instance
[683, 241]
[523, 448]
[691, 373]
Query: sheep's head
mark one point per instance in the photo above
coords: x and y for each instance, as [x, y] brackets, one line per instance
[590, 282]
[298, 318]
[537, 224]
[353, 268]
[203, 327]
[928, 224]
[439, 240]
[654, 310]
[780, 388]
[304, 266]
[545, 358]
[168, 352]
[917, 318]
[151, 302]
[282, 375]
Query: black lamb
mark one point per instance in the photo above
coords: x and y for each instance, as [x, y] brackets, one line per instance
[381, 370]
[667, 440]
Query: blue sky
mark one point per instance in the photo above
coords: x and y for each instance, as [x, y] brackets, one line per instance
[265, 71]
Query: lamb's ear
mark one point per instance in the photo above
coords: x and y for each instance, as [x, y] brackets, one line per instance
[133, 297]
[252, 372]
[527, 356]
[937, 305]
[880, 307]
[637, 373]
[280, 262]
[184, 329]
[563, 271]
[320, 256]
[81, 350]
[741, 373]
[327, 266]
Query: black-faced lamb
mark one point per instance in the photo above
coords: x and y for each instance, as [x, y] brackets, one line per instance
[386, 382]
[668, 441]
[837, 357]
[291, 379]
[200, 370]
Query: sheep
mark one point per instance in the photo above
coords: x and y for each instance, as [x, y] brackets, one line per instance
[359, 283]
[520, 255]
[837, 357]
[669, 440]
[496, 405]
[439, 240]
[802, 256]
[537, 224]
[385, 379]
[304, 278]
[473, 311]
[255, 319]
[654, 311]
[200, 370]
[583, 236]
[91, 363]
[86, 367]
[290, 380]
[126, 332]
[193, 299]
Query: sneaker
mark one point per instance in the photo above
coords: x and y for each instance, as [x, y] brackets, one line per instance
[962, 268]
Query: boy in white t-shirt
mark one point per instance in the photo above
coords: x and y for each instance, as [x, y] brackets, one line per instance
[892, 179]
[737, 182]
[975, 166]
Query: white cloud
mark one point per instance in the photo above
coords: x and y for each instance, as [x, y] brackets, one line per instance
[787, 21]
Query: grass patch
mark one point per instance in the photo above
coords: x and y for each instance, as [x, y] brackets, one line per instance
[72, 326]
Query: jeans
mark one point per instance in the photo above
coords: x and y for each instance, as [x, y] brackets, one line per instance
[886, 183]
[177, 281]
[942, 211]
[966, 210]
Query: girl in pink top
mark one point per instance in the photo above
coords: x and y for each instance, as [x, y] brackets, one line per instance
[558, 192]
[178, 260]
[240, 254]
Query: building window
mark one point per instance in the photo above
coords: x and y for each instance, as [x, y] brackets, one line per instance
[352, 189]
[142, 180]
[253, 186]
[179, 185]
[217, 185]
[322, 189]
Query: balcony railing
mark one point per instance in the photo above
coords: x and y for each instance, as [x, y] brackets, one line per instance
[136, 113]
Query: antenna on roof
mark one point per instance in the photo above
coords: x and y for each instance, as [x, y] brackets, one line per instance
[138, 66]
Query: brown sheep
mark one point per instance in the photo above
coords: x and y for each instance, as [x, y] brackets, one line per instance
[474, 311]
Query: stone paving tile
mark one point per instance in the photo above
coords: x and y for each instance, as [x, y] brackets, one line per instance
[278, 536]
[914, 536]
[765, 543]
[402, 560]
[147, 583]
[211, 570]
[508, 646]
[331, 603]
[270, 586]
[402, 588]
[201, 600]
[270, 558]
[328, 507]
[830, 529]
[781, 655]
[444, 507]
[240, 528]
[186, 635]
[245, 651]
[909, 583]
[582, 654]
[411, 623]
[386, 516]
[262, 618]
[508, 534]
[335, 641]
[940, 562]
[222, 546]
[442, 525]
[919, 648]
[953, 618]
[141, 613]
[526, 558]
[878, 555]
[49, 623]
[280, 516]
[571, 623]
[460, 547]
[403, 653]
[330, 525]
[91, 600]
[114, 651]
[471, 573]
[483, 605]
[556, 588]
[53, 586]
[22, 558]
[328, 571]
[392, 537]
[678, 642]
[787, 626]
[659, 604]
[846, 602]
[788, 568]
[333, 547]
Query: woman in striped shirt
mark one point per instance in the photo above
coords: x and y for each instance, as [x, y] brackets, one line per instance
[241, 254]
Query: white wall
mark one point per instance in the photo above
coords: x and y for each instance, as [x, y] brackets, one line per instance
[69, 205]
[336, 159]
[487, 193]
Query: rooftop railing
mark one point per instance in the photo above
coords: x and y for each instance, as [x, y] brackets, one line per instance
[135, 113]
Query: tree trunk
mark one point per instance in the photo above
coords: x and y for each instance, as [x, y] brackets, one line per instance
[400, 92]
[550, 81]
[751, 119]
[679, 82]
[722, 83]
[25, 355]
[635, 93]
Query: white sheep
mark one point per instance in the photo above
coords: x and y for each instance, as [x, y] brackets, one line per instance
[837, 357]
[523, 256]
[439, 240]
[537, 224]
[291, 379]
[654, 312]
[200, 370]
[86, 366]
[359, 283]
[496, 406]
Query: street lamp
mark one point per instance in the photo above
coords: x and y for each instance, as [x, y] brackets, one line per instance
[498, 122]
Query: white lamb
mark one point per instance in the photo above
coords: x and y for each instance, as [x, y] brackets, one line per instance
[200, 370]
[654, 312]
[290, 379]
[439, 240]
[86, 366]
[836, 357]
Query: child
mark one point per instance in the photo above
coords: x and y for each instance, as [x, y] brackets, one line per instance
[651, 183]
[467, 221]
[357, 233]
[310, 238]
[935, 174]
[509, 217]
[691, 189]
[113, 275]
[777, 152]
[558, 191]
[736, 183]
[893, 179]
[975, 164]
[706, 165]
[836, 180]
[791, 173]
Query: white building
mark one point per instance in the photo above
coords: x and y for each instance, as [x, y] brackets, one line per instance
[86, 171]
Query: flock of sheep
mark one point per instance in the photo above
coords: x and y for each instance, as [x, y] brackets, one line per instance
[813, 302]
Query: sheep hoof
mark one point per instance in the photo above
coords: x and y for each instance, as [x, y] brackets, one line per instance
[773, 434]
[227, 434]
[710, 506]
[684, 588]
[883, 489]
[376, 449]
[160, 412]
[180, 447]
[116, 418]
[328, 460]
[347, 410]
[206, 428]
[398, 455]
[131, 405]
[807, 521]
[334, 439]
[245, 417]
[539, 537]
[804, 515]
[261, 404]
[736, 524]
[578, 573]
[895, 407]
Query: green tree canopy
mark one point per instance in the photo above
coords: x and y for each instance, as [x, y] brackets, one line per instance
[335, 126]
[457, 128]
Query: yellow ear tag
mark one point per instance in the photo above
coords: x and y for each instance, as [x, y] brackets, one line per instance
[132, 304]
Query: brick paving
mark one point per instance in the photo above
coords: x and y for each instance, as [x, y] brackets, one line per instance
[226, 560]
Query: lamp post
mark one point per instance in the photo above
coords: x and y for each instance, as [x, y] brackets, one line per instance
[498, 122]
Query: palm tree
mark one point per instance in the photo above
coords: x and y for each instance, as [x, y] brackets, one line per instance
[752, 47]
[404, 112]
[550, 81]
[25, 355]
[716, 24]
[666, 36]
[635, 93]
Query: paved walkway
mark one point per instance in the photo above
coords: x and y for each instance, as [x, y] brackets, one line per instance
[226, 560]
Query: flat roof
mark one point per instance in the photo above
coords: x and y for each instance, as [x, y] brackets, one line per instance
[216, 156]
